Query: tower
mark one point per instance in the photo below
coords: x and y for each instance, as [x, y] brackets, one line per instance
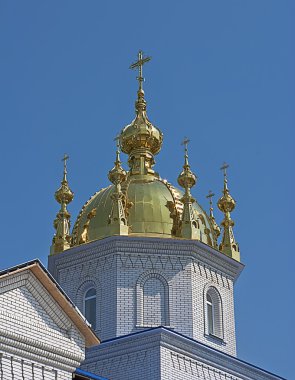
[146, 251]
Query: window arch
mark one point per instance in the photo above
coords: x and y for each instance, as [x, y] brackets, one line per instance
[90, 306]
[213, 313]
[152, 300]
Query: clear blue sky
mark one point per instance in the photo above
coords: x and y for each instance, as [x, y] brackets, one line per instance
[222, 73]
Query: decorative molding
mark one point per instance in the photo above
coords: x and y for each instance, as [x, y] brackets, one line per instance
[180, 345]
[183, 249]
[30, 348]
[196, 368]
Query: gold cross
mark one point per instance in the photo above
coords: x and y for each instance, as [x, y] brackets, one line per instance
[209, 196]
[117, 139]
[224, 167]
[64, 159]
[185, 143]
[138, 64]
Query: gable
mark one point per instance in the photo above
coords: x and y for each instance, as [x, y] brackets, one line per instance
[28, 310]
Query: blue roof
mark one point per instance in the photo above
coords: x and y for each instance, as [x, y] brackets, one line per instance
[89, 374]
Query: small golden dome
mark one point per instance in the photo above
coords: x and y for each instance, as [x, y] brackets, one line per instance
[186, 179]
[117, 174]
[226, 203]
[64, 193]
[141, 133]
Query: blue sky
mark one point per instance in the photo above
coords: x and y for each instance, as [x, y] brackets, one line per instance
[222, 73]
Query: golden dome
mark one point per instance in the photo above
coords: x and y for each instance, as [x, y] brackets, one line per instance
[154, 208]
[141, 133]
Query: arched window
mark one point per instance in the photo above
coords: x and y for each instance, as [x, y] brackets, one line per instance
[213, 313]
[90, 307]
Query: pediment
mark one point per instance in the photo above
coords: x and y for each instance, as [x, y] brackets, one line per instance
[27, 304]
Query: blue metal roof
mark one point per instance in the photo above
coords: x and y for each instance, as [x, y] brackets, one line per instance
[89, 375]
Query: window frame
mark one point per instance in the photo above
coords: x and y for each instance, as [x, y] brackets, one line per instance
[217, 314]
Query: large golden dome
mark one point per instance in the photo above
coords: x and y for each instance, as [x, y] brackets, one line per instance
[139, 202]
[153, 208]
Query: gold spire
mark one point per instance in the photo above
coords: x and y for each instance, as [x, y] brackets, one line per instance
[117, 219]
[141, 140]
[64, 195]
[187, 179]
[215, 226]
[227, 204]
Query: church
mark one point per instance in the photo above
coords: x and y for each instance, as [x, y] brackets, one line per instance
[151, 271]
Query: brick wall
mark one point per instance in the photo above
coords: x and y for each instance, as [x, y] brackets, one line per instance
[37, 339]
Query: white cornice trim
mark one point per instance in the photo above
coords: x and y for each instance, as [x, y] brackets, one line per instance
[179, 344]
[158, 246]
[39, 351]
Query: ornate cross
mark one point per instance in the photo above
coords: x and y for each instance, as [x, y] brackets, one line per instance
[138, 64]
[224, 167]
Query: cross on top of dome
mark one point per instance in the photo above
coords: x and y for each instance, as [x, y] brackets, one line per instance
[138, 65]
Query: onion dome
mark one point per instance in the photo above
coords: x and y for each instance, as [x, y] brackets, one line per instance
[141, 133]
[64, 195]
[186, 179]
[227, 204]
[117, 175]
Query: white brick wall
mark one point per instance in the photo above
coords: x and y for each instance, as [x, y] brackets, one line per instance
[118, 266]
[37, 339]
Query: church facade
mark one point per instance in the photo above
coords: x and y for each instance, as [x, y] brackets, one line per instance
[144, 264]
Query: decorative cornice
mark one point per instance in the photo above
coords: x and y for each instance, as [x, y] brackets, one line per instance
[178, 343]
[37, 350]
[193, 249]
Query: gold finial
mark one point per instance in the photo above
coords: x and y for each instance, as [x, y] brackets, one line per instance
[64, 195]
[227, 204]
[216, 227]
[187, 179]
[141, 140]
[138, 65]
[117, 219]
